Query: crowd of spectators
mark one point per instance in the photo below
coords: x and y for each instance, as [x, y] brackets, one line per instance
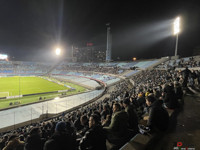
[92, 67]
[190, 62]
[114, 119]
[17, 67]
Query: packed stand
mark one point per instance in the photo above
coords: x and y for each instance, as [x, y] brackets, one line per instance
[20, 68]
[75, 130]
[114, 119]
[189, 62]
[91, 67]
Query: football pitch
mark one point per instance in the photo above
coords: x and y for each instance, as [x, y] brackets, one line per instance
[12, 86]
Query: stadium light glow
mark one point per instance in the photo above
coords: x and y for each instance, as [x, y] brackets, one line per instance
[176, 32]
[58, 51]
[177, 26]
[134, 58]
[3, 56]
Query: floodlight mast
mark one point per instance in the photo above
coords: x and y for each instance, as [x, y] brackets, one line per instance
[176, 32]
[109, 44]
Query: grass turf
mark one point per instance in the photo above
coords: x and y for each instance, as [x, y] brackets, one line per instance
[31, 85]
[27, 85]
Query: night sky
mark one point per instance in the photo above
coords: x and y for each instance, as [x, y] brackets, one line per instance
[31, 29]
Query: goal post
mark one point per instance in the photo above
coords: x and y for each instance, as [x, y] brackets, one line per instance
[4, 94]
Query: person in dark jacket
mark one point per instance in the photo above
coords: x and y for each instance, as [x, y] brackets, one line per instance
[94, 138]
[14, 143]
[178, 90]
[117, 131]
[84, 123]
[61, 139]
[132, 116]
[158, 116]
[3, 141]
[105, 111]
[107, 121]
[186, 74]
[34, 140]
[169, 97]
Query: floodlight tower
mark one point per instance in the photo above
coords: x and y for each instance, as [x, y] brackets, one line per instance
[109, 43]
[176, 32]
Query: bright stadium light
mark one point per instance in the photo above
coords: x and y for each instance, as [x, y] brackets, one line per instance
[176, 26]
[3, 56]
[58, 51]
[176, 32]
[134, 58]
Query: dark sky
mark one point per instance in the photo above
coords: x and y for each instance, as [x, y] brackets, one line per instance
[31, 29]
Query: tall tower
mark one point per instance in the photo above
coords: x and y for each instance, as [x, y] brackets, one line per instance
[109, 43]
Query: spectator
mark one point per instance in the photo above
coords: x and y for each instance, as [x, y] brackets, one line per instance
[158, 116]
[186, 74]
[70, 130]
[178, 91]
[3, 141]
[105, 112]
[77, 123]
[170, 99]
[132, 116]
[107, 121]
[84, 123]
[34, 140]
[117, 132]
[14, 143]
[60, 139]
[94, 138]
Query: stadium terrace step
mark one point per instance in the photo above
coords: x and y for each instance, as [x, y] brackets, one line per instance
[138, 142]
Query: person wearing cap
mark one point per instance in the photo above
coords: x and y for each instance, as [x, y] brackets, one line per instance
[132, 116]
[94, 138]
[61, 139]
[14, 143]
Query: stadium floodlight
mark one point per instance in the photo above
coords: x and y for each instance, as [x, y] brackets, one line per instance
[176, 32]
[134, 58]
[3, 56]
[177, 26]
[58, 51]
